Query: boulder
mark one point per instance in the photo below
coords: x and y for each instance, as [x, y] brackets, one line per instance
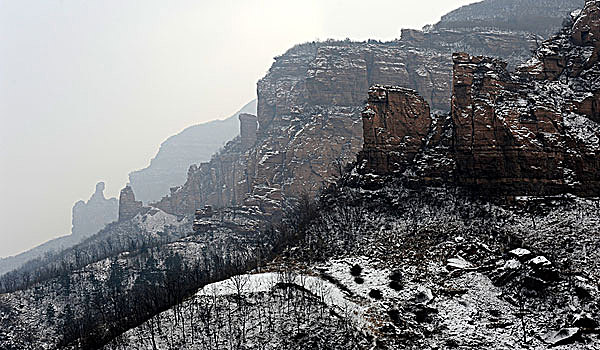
[563, 336]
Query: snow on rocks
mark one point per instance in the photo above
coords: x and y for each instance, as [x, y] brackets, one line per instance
[520, 253]
[458, 263]
[156, 220]
[540, 261]
[563, 336]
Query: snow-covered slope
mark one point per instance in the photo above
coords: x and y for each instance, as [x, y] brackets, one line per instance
[431, 268]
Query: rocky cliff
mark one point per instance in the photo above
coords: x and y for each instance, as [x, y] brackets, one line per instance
[309, 106]
[128, 206]
[194, 145]
[91, 216]
[395, 126]
[534, 131]
[540, 17]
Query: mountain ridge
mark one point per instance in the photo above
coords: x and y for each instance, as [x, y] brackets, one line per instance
[378, 261]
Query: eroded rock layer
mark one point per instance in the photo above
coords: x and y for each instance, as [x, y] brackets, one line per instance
[535, 131]
[395, 125]
[309, 112]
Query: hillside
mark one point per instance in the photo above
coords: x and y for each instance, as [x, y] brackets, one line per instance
[397, 260]
[169, 168]
[475, 226]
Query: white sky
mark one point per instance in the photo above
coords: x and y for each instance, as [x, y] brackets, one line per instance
[89, 89]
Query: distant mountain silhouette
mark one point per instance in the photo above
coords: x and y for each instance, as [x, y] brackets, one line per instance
[195, 144]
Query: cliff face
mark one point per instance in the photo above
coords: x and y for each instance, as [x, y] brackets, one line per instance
[535, 131]
[128, 206]
[309, 106]
[395, 125]
[91, 216]
[540, 17]
[194, 145]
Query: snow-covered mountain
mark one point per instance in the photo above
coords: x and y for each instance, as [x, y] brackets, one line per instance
[388, 255]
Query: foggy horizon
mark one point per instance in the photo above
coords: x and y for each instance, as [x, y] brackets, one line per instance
[89, 91]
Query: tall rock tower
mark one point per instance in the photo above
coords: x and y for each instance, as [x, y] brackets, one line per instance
[128, 206]
[248, 130]
[91, 216]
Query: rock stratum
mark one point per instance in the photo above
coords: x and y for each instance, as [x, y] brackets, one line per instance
[533, 131]
[310, 103]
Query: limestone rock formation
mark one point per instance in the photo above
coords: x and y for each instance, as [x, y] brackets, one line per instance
[534, 131]
[91, 216]
[309, 112]
[248, 129]
[128, 206]
[395, 124]
[194, 145]
[531, 132]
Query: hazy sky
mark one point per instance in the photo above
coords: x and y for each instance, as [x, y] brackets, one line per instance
[89, 89]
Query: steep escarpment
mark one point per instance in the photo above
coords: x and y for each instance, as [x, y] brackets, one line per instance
[540, 17]
[194, 145]
[534, 131]
[392, 266]
[309, 106]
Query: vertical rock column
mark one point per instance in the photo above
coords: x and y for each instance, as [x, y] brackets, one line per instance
[91, 216]
[396, 122]
[248, 130]
[128, 206]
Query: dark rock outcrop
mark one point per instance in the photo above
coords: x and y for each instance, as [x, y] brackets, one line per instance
[395, 124]
[248, 130]
[91, 216]
[535, 131]
[128, 206]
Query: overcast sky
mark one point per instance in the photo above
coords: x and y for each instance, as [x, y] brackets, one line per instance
[89, 89]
